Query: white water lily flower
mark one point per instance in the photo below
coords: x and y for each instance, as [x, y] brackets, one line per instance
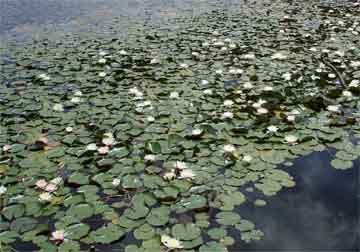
[232, 45]
[123, 52]
[229, 148]
[259, 103]
[224, 48]
[333, 108]
[268, 88]
[91, 147]
[262, 111]
[287, 76]
[228, 103]
[3, 190]
[227, 40]
[248, 85]
[58, 107]
[102, 74]
[196, 54]
[236, 71]
[219, 71]
[184, 65]
[108, 141]
[205, 44]
[180, 165]
[155, 61]
[78, 93]
[102, 61]
[174, 95]
[169, 175]
[45, 196]
[58, 235]
[291, 118]
[347, 93]
[291, 139]
[196, 132]
[150, 157]
[331, 75]
[219, 44]
[354, 83]
[69, 129]
[44, 76]
[150, 119]
[279, 56]
[102, 53]
[116, 182]
[41, 183]
[103, 150]
[204, 82]
[227, 115]
[247, 158]
[75, 99]
[187, 174]
[272, 129]
[249, 56]
[208, 92]
[170, 243]
[6, 147]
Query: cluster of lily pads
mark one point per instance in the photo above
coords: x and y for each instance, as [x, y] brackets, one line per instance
[159, 139]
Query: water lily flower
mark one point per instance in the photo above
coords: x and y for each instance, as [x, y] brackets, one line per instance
[347, 93]
[279, 56]
[247, 158]
[219, 71]
[46, 196]
[268, 88]
[184, 65]
[229, 148]
[331, 75]
[196, 132]
[58, 107]
[262, 111]
[355, 64]
[150, 157]
[287, 76]
[102, 74]
[75, 99]
[171, 243]
[123, 52]
[272, 129]
[354, 83]
[204, 82]
[333, 108]
[116, 182]
[224, 48]
[103, 150]
[91, 147]
[227, 115]
[259, 103]
[108, 139]
[196, 54]
[50, 188]
[248, 85]
[232, 45]
[180, 165]
[208, 92]
[205, 44]
[227, 40]
[150, 119]
[58, 236]
[174, 95]
[3, 190]
[102, 61]
[169, 175]
[6, 147]
[78, 93]
[69, 129]
[155, 61]
[102, 53]
[44, 76]
[219, 44]
[291, 118]
[236, 71]
[187, 174]
[41, 183]
[228, 103]
[291, 139]
[249, 56]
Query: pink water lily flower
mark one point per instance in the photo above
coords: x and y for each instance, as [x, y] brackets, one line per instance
[41, 183]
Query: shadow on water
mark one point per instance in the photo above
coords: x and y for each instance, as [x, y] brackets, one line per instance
[320, 214]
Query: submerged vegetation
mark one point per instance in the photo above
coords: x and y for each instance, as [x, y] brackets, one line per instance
[158, 139]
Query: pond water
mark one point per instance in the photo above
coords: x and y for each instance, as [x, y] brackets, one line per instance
[185, 126]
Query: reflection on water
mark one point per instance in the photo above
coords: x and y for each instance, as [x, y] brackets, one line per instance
[320, 214]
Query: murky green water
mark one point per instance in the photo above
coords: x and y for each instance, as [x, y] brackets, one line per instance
[179, 126]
